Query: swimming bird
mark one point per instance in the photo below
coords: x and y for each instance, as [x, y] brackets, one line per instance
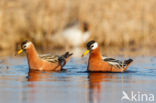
[46, 62]
[97, 62]
[73, 35]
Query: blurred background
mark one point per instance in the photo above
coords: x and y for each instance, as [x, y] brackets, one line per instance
[122, 27]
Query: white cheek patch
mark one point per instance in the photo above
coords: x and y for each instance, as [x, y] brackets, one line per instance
[28, 44]
[95, 45]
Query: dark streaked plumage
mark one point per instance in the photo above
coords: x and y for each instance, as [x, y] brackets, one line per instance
[50, 57]
[117, 63]
[55, 58]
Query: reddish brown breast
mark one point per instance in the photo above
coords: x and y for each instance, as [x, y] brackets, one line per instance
[37, 63]
[33, 59]
[96, 63]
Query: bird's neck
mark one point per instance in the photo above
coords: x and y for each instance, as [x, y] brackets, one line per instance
[96, 54]
[32, 54]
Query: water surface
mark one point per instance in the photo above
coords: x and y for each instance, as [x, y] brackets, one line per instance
[74, 84]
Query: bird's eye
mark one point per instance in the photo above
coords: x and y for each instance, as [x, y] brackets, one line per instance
[24, 46]
[91, 46]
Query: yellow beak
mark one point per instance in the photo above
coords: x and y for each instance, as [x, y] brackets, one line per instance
[85, 53]
[20, 51]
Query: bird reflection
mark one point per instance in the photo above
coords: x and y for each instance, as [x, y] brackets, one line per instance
[34, 77]
[39, 75]
[95, 86]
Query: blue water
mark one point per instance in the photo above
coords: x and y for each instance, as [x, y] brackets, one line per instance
[74, 84]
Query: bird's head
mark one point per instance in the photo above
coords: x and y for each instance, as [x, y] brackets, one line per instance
[92, 45]
[24, 45]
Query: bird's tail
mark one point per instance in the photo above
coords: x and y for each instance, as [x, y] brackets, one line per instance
[64, 58]
[67, 54]
[128, 62]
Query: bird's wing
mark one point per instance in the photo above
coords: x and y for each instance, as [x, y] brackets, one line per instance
[114, 62]
[55, 58]
[50, 58]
